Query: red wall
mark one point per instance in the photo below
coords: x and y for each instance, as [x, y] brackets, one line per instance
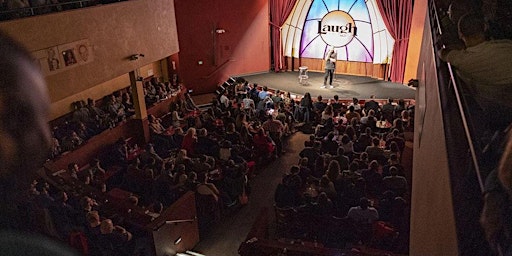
[243, 49]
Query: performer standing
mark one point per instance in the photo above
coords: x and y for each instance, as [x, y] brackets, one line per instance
[330, 66]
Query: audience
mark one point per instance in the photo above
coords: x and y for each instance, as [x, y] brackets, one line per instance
[213, 160]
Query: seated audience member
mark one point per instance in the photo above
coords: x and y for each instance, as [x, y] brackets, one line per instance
[55, 148]
[371, 105]
[287, 193]
[126, 100]
[364, 140]
[369, 120]
[347, 144]
[311, 153]
[92, 232]
[83, 132]
[190, 141]
[483, 66]
[342, 160]
[286, 119]
[329, 145]
[93, 225]
[355, 104]
[99, 119]
[337, 106]
[393, 162]
[375, 152]
[388, 110]
[87, 204]
[150, 94]
[43, 197]
[81, 113]
[395, 183]
[304, 171]
[319, 106]
[364, 213]
[150, 153]
[393, 149]
[327, 113]
[73, 170]
[373, 179]
[400, 106]
[224, 101]
[386, 205]
[155, 125]
[333, 171]
[276, 97]
[397, 138]
[234, 182]
[115, 108]
[263, 144]
[206, 144]
[322, 130]
[363, 160]
[71, 142]
[231, 134]
[63, 215]
[275, 130]
[176, 118]
[351, 114]
[113, 240]
[327, 186]
[324, 205]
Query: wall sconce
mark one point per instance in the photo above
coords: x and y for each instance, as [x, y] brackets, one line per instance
[136, 56]
[220, 31]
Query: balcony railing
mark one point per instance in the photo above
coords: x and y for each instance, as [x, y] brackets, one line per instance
[63, 5]
[466, 142]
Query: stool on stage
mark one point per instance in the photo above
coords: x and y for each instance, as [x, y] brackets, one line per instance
[303, 75]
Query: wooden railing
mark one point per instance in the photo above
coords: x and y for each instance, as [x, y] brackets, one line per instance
[9, 14]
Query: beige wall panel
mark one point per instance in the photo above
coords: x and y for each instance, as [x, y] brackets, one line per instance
[432, 217]
[114, 31]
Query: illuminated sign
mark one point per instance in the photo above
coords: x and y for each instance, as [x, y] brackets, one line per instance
[337, 28]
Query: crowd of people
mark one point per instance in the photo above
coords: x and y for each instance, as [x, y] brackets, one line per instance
[216, 151]
[350, 168]
[93, 117]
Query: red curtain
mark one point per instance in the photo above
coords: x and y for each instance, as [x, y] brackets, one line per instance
[279, 11]
[397, 15]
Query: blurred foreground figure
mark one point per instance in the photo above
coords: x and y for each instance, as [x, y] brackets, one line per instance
[496, 218]
[24, 143]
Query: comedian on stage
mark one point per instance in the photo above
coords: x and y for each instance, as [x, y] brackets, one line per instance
[330, 66]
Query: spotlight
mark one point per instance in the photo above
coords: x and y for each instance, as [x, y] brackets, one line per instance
[136, 56]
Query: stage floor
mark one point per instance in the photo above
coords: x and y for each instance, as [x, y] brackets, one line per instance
[345, 86]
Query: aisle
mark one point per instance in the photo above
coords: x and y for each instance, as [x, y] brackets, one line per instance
[225, 237]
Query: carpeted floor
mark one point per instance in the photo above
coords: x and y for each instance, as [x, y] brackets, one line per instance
[225, 237]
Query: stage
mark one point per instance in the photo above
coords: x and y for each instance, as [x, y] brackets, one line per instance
[345, 86]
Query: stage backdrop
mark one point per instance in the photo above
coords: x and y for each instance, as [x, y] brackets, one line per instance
[355, 28]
